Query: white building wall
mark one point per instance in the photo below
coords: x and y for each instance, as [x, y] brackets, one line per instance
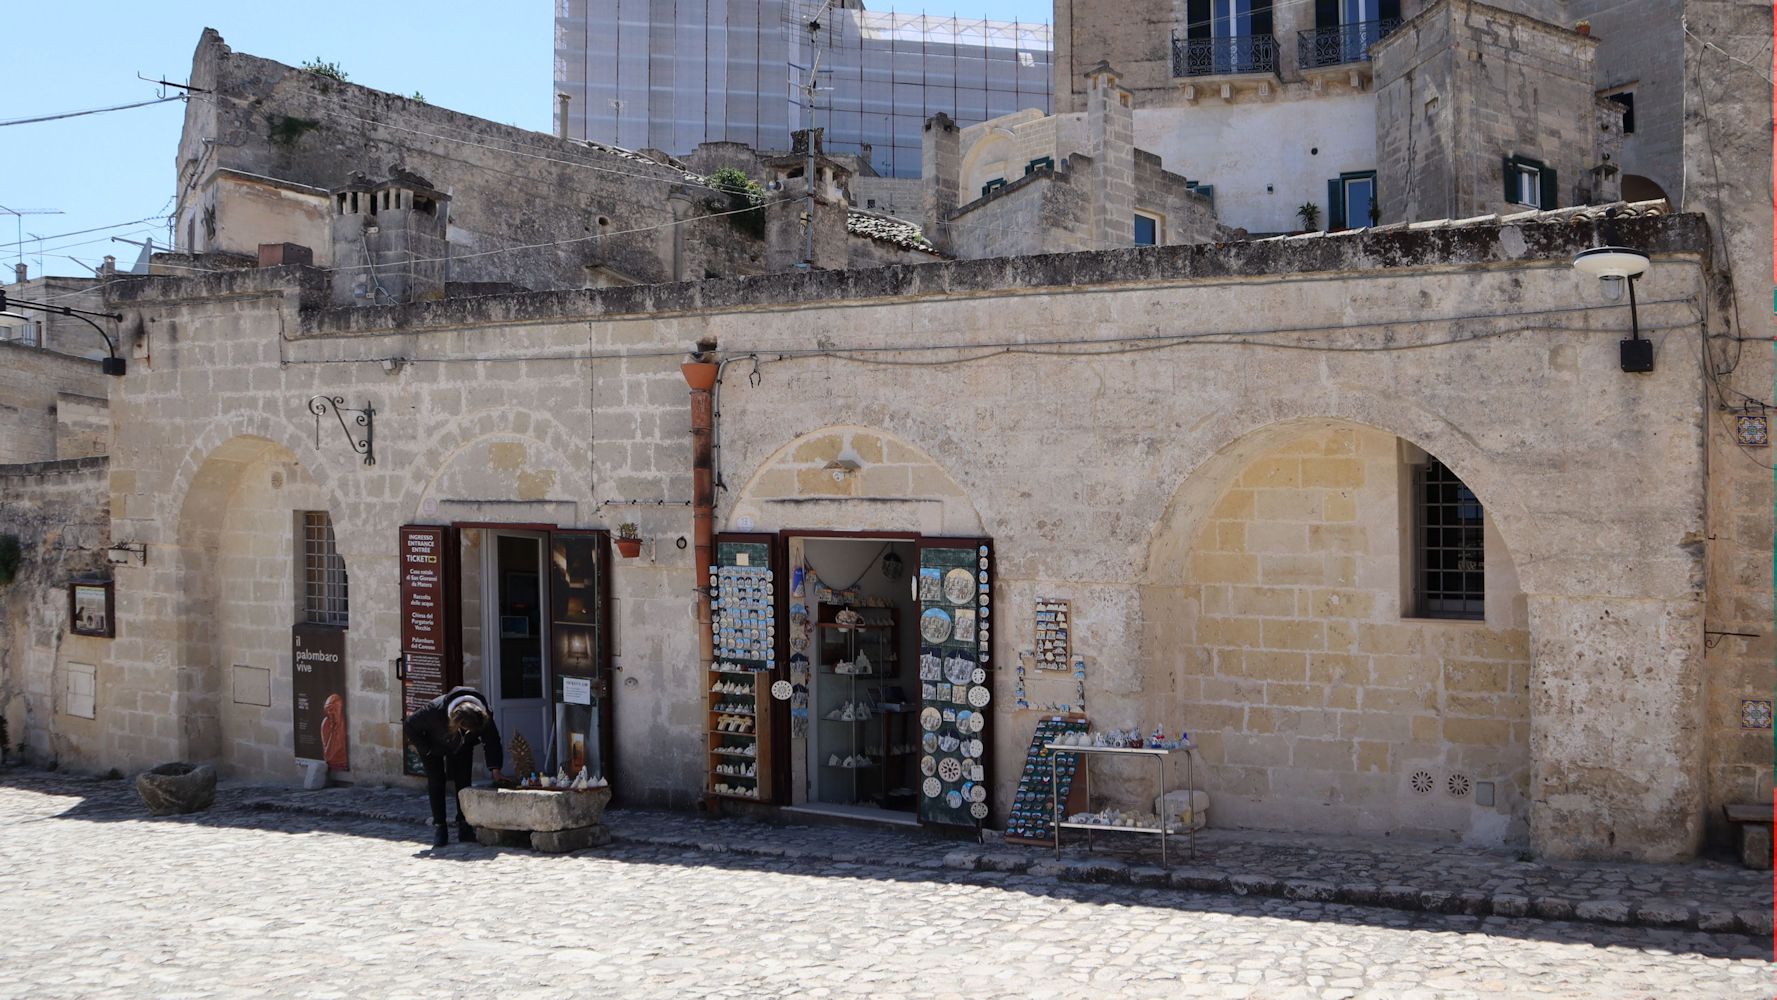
[1265, 160]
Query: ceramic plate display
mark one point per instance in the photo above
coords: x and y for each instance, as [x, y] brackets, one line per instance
[978, 810]
[933, 788]
[957, 669]
[959, 586]
[950, 769]
[954, 800]
[979, 676]
[931, 586]
[781, 690]
[977, 722]
[928, 742]
[948, 744]
[979, 696]
[978, 793]
[928, 766]
[934, 625]
[973, 749]
[930, 720]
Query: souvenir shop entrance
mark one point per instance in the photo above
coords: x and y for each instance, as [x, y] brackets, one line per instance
[519, 611]
[853, 674]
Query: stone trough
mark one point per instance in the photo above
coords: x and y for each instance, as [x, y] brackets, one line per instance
[554, 822]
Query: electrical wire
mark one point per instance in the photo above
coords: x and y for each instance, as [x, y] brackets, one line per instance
[83, 232]
[90, 111]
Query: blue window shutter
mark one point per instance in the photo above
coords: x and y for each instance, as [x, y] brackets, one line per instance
[1335, 205]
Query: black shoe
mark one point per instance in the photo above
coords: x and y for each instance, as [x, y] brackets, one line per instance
[465, 832]
[440, 835]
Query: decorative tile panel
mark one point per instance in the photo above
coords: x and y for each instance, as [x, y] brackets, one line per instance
[1755, 714]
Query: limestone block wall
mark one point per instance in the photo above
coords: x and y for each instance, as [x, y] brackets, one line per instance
[1314, 692]
[32, 380]
[83, 425]
[58, 511]
[1093, 471]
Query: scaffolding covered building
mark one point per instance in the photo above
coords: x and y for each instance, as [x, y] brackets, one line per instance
[670, 74]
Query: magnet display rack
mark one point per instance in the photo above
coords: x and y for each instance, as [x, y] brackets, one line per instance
[743, 611]
[1042, 784]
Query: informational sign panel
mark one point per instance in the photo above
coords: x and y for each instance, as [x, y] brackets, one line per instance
[428, 648]
[318, 696]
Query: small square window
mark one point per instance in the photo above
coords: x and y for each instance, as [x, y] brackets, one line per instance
[1529, 182]
[1147, 231]
[1627, 100]
[323, 572]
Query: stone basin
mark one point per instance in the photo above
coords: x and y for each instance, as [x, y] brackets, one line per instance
[172, 789]
[534, 810]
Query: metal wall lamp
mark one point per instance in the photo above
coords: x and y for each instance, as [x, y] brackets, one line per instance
[112, 364]
[1616, 267]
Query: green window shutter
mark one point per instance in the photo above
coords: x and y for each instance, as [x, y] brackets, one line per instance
[1335, 205]
[1551, 193]
[1509, 168]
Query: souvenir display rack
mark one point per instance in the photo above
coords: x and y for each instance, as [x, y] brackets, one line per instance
[743, 589]
[954, 591]
[857, 655]
[1044, 783]
[1159, 756]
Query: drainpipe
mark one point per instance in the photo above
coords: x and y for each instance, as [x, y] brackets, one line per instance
[700, 376]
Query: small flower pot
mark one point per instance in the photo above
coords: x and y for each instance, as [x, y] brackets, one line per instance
[628, 548]
[699, 375]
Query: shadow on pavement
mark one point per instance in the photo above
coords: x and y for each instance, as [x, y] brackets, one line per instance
[646, 837]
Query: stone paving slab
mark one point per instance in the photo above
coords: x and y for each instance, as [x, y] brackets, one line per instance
[1707, 896]
[272, 902]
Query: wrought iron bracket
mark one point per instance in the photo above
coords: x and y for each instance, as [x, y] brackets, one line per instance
[364, 444]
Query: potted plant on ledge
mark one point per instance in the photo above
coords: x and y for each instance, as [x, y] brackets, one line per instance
[1309, 213]
[629, 540]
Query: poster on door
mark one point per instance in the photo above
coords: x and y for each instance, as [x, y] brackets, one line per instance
[318, 696]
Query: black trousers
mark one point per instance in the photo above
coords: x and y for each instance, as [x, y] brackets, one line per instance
[456, 768]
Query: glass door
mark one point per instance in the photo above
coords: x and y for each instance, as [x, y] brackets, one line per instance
[513, 630]
[954, 593]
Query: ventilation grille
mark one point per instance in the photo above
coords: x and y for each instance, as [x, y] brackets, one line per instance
[1423, 782]
[1458, 785]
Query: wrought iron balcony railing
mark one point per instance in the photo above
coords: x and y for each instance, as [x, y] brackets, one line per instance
[1347, 43]
[1228, 54]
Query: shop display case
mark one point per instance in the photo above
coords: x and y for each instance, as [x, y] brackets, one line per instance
[743, 589]
[857, 662]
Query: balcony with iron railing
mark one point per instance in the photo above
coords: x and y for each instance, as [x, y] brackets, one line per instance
[1229, 55]
[1318, 48]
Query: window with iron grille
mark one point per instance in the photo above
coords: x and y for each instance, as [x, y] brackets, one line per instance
[1450, 553]
[323, 572]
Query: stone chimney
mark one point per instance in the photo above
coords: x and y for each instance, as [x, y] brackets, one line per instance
[18, 272]
[940, 164]
[1110, 141]
[561, 126]
[789, 216]
[389, 240]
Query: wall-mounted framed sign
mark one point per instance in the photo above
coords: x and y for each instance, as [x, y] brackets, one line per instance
[89, 608]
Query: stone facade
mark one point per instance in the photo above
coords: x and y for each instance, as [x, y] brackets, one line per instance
[1030, 183]
[1145, 461]
[52, 405]
[58, 511]
[1464, 86]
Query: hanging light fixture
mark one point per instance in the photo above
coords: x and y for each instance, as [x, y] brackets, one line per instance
[1617, 267]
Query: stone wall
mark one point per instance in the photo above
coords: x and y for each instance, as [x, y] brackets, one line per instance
[1727, 158]
[1315, 693]
[1094, 474]
[59, 513]
[32, 384]
[1464, 85]
[1641, 49]
[602, 208]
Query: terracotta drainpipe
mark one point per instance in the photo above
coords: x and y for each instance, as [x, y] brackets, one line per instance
[700, 375]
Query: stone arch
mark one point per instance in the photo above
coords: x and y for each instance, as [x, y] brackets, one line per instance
[883, 483]
[233, 599]
[1275, 622]
[993, 155]
[505, 455]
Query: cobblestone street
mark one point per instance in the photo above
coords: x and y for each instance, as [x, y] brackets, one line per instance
[244, 901]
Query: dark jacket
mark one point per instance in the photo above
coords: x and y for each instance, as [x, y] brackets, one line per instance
[429, 729]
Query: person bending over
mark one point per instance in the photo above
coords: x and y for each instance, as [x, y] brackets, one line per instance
[445, 733]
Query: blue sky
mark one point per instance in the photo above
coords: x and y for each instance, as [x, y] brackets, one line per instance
[491, 60]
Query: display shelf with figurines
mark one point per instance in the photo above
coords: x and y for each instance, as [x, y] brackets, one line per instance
[743, 602]
[855, 651]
